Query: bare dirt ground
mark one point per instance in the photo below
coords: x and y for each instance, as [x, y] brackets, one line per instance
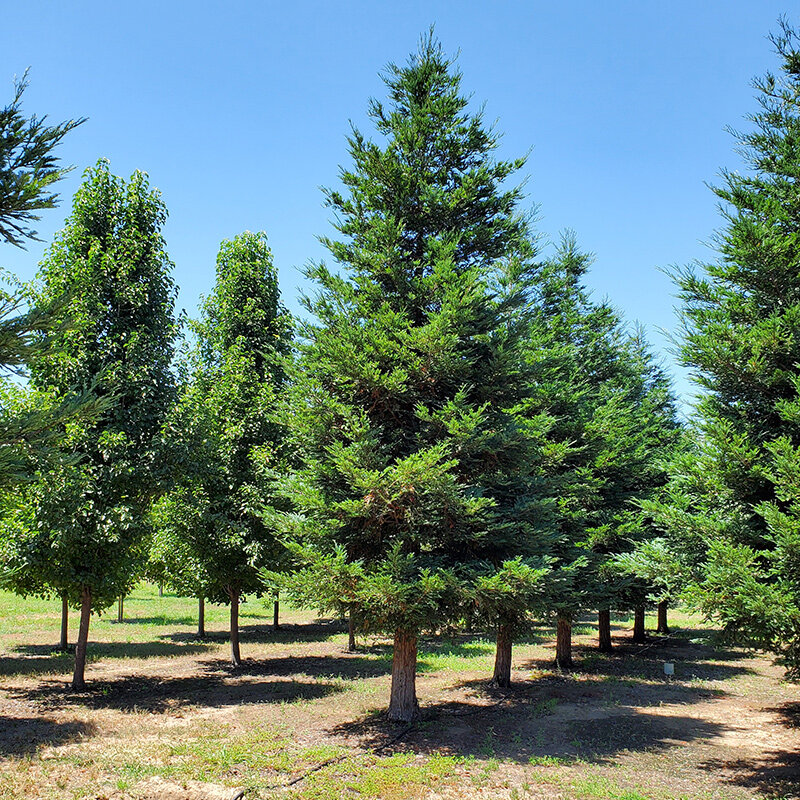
[166, 717]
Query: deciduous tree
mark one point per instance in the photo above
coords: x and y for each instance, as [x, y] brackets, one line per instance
[88, 531]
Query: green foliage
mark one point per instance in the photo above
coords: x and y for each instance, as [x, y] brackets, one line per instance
[213, 530]
[28, 167]
[86, 521]
[30, 423]
[734, 513]
[614, 424]
[400, 411]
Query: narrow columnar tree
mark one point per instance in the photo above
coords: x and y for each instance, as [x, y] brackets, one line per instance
[213, 530]
[88, 530]
[399, 407]
[736, 501]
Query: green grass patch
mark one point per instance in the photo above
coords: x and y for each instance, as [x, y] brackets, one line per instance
[396, 777]
[600, 788]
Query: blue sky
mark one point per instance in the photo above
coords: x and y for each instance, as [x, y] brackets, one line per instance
[239, 111]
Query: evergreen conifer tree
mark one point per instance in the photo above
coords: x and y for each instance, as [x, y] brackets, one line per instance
[614, 416]
[399, 408]
[733, 509]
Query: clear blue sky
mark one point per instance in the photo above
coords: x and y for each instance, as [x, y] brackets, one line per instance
[239, 110]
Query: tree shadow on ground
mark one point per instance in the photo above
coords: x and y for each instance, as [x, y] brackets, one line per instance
[776, 773]
[531, 722]
[288, 633]
[344, 666]
[133, 693]
[163, 620]
[39, 659]
[22, 735]
[634, 662]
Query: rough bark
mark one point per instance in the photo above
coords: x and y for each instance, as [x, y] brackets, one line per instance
[564, 643]
[236, 658]
[276, 612]
[403, 705]
[604, 630]
[78, 681]
[638, 625]
[201, 617]
[64, 643]
[662, 627]
[502, 658]
[351, 634]
[121, 609]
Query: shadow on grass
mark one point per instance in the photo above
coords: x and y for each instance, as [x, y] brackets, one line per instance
[22, 735]
[159, 695]
[288, 633]
[634, 662]
[162, 620]
[532, 724]
[344, 666]
[40, 659]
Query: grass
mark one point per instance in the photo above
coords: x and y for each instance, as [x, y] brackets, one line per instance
[162, 704]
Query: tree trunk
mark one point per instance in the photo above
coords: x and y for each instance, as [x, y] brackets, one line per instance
[502, 658]
[121, 609]
[662, 627]
[236, 658]
[78, 681]
[403, 705]
[351, 634]
[276, 610]
[638, 625]
[160, 589]
[564, 643]
[64, 644]
[201, 617]
[604, 629]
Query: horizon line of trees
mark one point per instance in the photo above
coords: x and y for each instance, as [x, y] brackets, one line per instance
[457, 435]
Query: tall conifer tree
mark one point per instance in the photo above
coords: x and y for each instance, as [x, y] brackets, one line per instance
[734, 504]
[398, 409]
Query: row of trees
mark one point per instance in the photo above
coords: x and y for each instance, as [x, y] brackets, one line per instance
[457, 434]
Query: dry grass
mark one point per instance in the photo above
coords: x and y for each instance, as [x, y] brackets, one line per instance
[165, 710]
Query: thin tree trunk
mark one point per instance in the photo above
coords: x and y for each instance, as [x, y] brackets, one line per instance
[638, 625]
[564, 643]
[236, 658]
[276, 611]
[121, 609]
[662, 627]
[64, 644]
[201, 617]
[351, 634]
[403, 705]
[160, 589]
[78, 681]
[502, 658]
[604, 630]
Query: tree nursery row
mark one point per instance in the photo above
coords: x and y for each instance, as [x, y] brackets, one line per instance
[454, 434]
